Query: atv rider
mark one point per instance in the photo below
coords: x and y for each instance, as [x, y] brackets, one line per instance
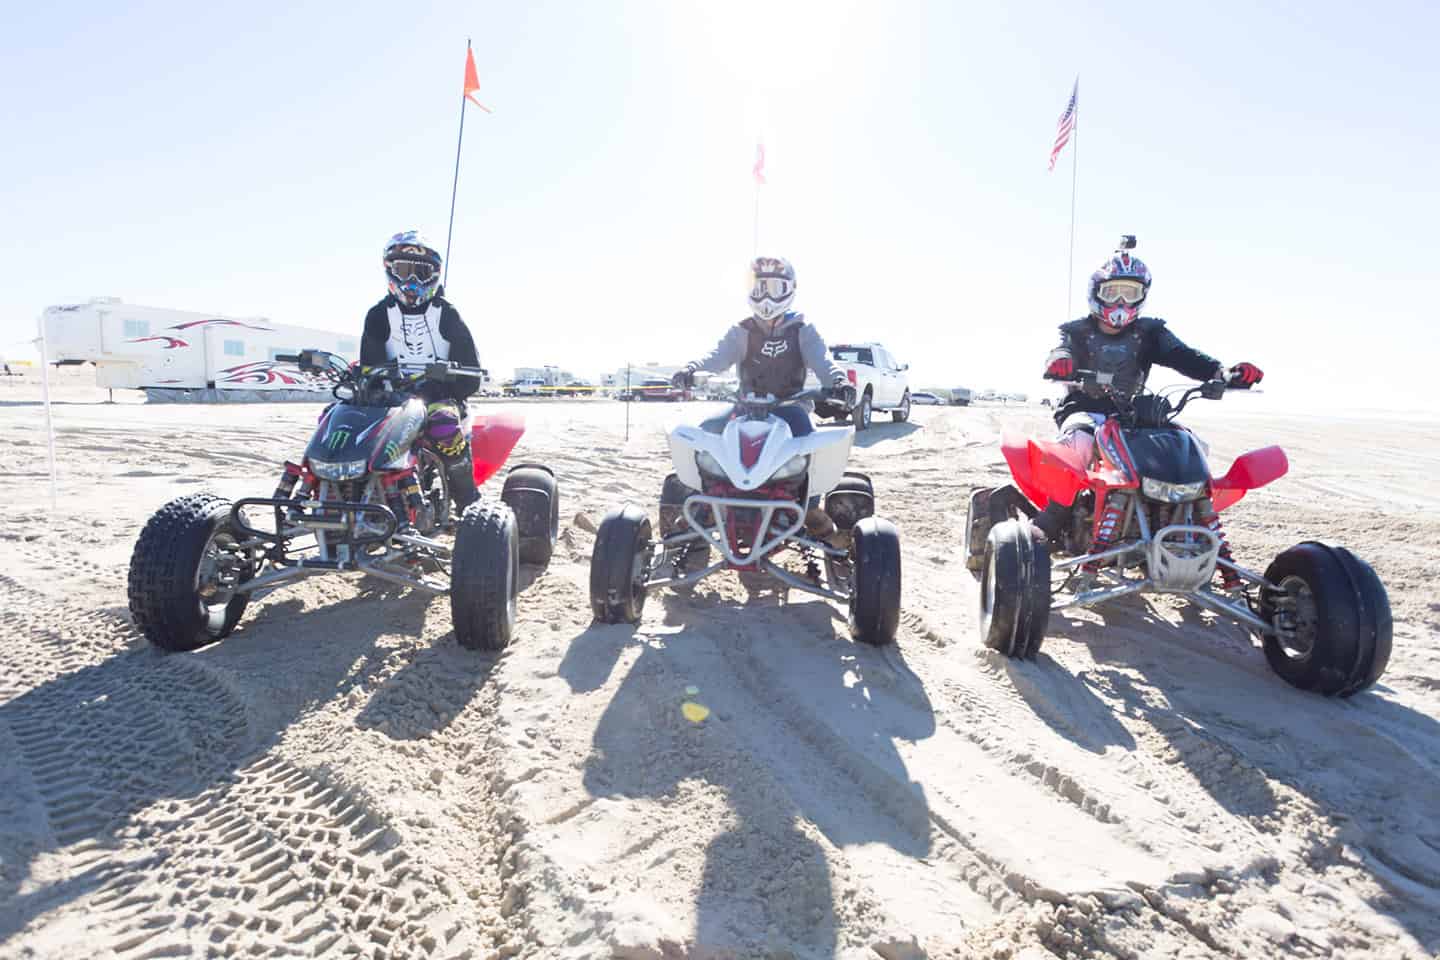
[1114, 339]
[414, 323]
[773, 347]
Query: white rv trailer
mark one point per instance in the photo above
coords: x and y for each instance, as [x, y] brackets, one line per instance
[171, 354]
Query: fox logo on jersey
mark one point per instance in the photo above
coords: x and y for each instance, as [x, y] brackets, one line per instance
[773, 348]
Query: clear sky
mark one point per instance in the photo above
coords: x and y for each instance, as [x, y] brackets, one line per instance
[1277, 161]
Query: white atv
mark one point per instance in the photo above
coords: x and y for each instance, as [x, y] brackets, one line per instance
[750, 491]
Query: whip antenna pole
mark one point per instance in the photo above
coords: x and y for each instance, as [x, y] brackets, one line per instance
[1074, 169]
[455, 185]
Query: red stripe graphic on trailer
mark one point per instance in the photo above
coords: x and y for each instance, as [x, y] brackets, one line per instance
[170, 342]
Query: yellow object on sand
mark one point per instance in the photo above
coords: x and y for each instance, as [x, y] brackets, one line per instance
[694, 712]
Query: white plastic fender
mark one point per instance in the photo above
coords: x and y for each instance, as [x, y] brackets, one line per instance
[828, 450]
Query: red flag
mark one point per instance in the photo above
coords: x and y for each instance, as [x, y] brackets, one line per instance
[759, 170]
[472, 80]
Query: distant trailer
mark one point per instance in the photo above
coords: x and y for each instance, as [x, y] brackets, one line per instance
[960, 396]
[179, 355]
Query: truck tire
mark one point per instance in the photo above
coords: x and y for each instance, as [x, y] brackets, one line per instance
[863, 412]
[175, 558]
[485, 576]
[902, 413]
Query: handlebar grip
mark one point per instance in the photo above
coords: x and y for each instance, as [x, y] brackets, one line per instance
[288, 357]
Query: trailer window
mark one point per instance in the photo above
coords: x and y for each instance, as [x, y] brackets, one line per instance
[137, 328]
[234, 348]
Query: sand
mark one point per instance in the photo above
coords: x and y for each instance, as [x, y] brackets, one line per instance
[340, 778]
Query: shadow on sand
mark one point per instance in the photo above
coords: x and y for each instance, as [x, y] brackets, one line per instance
[810, 708]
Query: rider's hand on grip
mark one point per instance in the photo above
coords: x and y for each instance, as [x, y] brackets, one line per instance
[843, 394]
[1060, 368]
[683, 378]
[1244, 375]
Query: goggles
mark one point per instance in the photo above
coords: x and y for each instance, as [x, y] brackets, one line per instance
[1121, 291]
[411, 270]
[771, 288]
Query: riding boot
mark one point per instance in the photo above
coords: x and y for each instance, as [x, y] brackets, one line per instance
[462, 485]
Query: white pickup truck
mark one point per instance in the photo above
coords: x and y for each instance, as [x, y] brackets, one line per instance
[880, 383]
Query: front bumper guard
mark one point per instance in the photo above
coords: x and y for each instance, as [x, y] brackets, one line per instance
[720, 508]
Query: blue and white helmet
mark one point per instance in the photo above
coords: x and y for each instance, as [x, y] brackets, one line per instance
[772, 287]
[412, 268]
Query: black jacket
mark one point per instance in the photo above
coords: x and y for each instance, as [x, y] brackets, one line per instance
[450, 340]
[1128, 355]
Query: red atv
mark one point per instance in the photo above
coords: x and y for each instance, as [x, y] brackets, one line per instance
[369, 497]
[1143, 518]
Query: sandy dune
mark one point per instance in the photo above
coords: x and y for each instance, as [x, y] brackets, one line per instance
[339, 778]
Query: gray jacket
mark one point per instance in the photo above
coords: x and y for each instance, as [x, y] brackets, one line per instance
[762, 356]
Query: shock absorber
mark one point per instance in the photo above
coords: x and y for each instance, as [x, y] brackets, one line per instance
[1107, 528]
[395, 499]
[1206, 516]
[286, 486]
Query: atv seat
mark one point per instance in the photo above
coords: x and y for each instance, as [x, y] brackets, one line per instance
[794, 416]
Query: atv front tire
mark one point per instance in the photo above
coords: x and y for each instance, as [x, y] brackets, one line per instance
[531, 492]
[617, 566]
[1334, 635]
[875, 582]
[485, 576]
[181, 554]
[1014, 590]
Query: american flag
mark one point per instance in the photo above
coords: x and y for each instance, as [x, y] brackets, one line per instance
[1066, 125]
[759, 169]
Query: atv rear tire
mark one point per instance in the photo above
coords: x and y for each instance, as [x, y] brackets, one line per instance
[852, 500]
[672, 520]
[531, 492]
[1014, 590]
[485, 576]
[175, 548]
[982, 513]
[875, 582]
[1341, 639]
[617, 566]
[902, 413]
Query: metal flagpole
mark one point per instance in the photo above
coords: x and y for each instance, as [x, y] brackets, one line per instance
[755, 252]
[629, 398]
[1074, 167]
[49, 423]
[455, 185]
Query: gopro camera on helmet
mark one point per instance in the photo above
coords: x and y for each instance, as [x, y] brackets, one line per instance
[1127, 241]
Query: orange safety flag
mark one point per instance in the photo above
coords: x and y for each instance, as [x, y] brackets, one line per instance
[472, 80]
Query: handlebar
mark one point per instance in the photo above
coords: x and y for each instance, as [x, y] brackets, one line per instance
[1151, 407]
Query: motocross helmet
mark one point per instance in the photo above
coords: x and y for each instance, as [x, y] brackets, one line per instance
[772, 287]
[412, 269]
[1118, 289]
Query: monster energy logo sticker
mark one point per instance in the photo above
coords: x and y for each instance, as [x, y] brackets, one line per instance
[392, 450]
[336, 438]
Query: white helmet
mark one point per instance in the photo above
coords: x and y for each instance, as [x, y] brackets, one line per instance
[772, 287]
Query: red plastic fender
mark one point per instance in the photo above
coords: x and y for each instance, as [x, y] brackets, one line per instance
[491, 440]
[1250, 471]
[1044, 470]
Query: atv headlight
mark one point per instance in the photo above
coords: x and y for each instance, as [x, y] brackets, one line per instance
[339, 470]
[793, 468]
[708, 464]
[1172, 492]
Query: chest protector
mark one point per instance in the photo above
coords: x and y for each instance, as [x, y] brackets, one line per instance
[1117, 354]
[773, 363]
[415, 337]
